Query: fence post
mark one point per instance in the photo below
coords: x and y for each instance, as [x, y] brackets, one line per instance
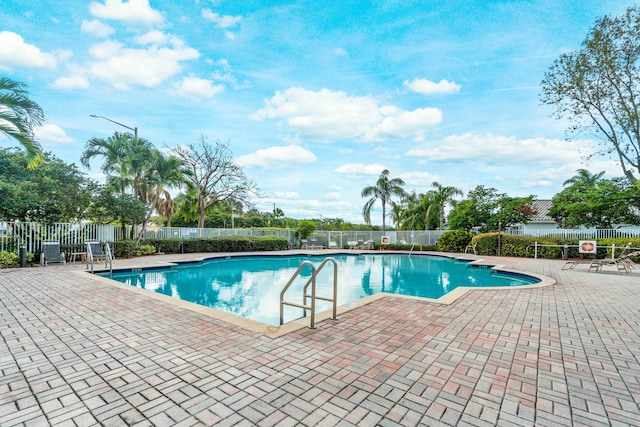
[535, 245]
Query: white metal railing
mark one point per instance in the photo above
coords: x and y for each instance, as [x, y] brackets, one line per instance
[73, 235]
[578, 233]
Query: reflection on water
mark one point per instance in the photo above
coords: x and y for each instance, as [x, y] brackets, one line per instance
[250, 286]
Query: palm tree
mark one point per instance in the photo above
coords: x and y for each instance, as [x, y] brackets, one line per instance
[18, 116]
[584, 177]
[384, 189]
[419, 211]
[167, 172]
[442, 196]
[114, 151]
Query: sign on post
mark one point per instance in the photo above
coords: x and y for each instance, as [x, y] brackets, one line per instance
[587, 246]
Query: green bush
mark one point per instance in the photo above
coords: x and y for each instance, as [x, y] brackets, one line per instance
[8, 259]
[524, 246]
[454, 241]
[146, 250]
[220, 244]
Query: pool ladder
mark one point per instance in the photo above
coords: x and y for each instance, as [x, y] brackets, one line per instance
[306, 296]
[107, 256]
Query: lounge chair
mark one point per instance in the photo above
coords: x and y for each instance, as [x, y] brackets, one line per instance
[352, 244]
[471, 249]
[51, 253]
[624, 262]
[369, 244]
[304, 244]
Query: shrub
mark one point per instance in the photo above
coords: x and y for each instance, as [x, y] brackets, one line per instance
[454, 241]
[146, 250]
[524, 246]
[220, 244]
[8, 259]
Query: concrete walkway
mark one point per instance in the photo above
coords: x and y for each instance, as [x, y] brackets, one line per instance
[78, 352]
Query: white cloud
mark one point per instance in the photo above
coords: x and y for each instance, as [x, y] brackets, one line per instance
[332, 196]
[125, 67]
[152, 37]
[96, 28]
[15, 52]
[195, 87]
[398, 123]
[360, 169]
[221, 21]
[277, 157]
[423, 179]
[340, 51]
[331, 116]
[132, 12]
[427, 87]
[52, 133]
[490, 148]
[289, 195]
[72, 82]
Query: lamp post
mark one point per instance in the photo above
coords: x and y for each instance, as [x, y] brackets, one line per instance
[135, 129]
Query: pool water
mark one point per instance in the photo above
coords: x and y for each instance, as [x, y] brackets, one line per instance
[250, 286]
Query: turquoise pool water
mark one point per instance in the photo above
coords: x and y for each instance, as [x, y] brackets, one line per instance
[249, 286]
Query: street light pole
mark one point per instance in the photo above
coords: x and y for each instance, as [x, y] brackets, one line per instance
[135, 129]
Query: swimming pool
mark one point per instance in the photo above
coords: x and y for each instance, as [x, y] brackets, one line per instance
[249, 286]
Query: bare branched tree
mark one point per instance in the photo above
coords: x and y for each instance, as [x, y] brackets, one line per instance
[214, 175]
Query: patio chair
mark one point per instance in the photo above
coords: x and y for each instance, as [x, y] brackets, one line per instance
[471, 248]
[51, 253]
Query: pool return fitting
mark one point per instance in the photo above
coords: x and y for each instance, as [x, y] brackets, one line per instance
[311, 282]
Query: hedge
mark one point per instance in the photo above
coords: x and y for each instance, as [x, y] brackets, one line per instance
[129, 248]
[523, 246]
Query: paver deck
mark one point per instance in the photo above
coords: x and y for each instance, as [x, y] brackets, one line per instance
[78, 352]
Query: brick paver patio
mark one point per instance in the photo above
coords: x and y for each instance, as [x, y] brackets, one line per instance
[78, 352]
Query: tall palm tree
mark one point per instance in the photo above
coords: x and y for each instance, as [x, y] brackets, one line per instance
[383, 190]
[442, 196]
[585, 177]
[18, 116]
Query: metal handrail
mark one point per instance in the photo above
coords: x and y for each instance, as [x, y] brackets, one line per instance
[108, 257]
[312, 282]
[334, 300]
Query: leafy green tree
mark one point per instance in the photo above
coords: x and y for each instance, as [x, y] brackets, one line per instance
[602, 204]
[18, 116]
[110, 207]
[53, 192]
[213, 175]
[596, 87]
[383, 190]
[485, 209]
[306, 228]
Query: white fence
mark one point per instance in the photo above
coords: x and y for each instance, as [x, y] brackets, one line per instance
[570, 233]
[31, 234]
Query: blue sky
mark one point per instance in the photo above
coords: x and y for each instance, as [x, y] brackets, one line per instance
[315, 98]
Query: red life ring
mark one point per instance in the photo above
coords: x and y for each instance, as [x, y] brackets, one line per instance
[587, 247]
[385, 240]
